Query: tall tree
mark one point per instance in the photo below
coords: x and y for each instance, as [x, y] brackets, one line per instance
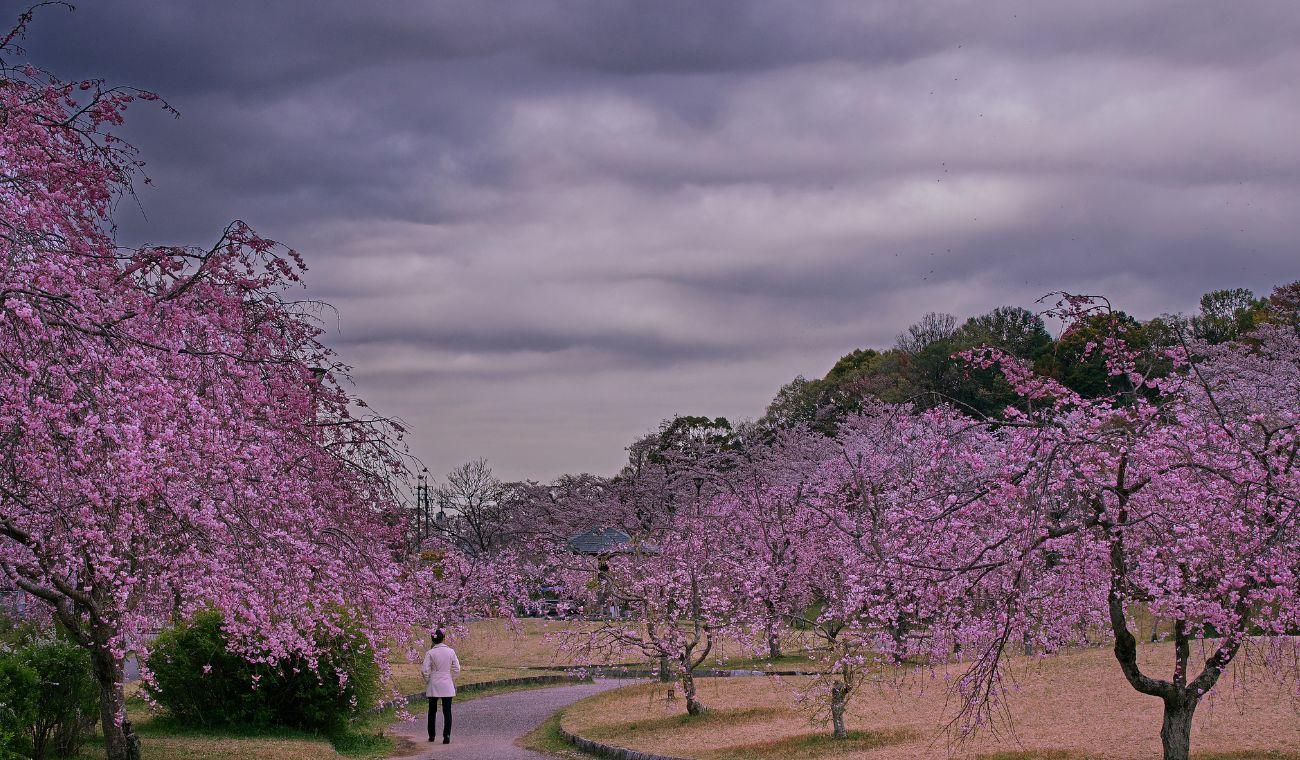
[766, 524]
[172, 433]
[1226, 315]
[478, 521]
[1186, 502]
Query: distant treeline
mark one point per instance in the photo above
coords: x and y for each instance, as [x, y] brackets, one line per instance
[921, 367]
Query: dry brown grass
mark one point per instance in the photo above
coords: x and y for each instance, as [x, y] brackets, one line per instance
[536, 642]
[201, 748]
[501, 644]
[612, 732]
[492, 650]
[1073, 706]
[410, 680]
[809, 746]
[159, 741]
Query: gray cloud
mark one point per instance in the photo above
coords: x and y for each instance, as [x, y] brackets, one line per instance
[548, 225]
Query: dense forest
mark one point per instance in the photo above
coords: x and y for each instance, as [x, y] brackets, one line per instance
[921, 368]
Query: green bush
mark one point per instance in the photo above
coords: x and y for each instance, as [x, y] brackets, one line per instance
[201, 682]
[48, 698]
[67, 706]
[18, 685]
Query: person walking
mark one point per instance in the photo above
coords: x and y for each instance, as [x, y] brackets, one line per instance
[440, 664]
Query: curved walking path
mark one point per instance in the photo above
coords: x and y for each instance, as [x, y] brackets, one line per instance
[486, 728]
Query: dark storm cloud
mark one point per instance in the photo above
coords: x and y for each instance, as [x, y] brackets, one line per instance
[547, 225]
[629, 349]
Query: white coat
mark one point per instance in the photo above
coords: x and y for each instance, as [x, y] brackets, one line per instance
[440, 663]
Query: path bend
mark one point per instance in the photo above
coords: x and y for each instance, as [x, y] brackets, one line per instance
[486, 728]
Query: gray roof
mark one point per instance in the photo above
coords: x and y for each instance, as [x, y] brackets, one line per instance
[600, 541]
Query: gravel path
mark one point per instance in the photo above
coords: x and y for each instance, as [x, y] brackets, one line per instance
[486, 728]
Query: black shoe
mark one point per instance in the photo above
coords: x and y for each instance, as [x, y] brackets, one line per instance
[446, 740]
[432, 739]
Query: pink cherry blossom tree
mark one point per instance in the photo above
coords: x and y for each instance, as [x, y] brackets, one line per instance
[883, 592]
[672, 600]
[1178, 493]
[668, 586]
[452, 586]
[766, 522]
[172, 434]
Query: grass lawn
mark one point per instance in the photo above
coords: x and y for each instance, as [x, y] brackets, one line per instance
[410, 680]
[799, 661]
[495, 643]
[533, 642]
[1074, 706]
[162, 739]
[224, 748]
[546, 739]
[492, 651]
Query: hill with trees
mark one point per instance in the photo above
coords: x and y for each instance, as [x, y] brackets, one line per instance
[923, 367]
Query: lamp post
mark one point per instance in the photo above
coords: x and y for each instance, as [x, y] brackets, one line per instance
[422, 527]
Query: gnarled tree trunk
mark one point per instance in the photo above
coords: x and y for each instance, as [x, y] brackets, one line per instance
[773, 635]
[1180, 693]
[120, 741]
[693, 706]
[1176, 730]
[838, 693]
[773, 644]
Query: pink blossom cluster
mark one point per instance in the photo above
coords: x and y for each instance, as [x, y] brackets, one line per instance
[173, 435]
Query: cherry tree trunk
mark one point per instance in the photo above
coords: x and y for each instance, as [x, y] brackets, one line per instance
[1176, 731]
[120, 740]
[665, 672]
[773, 643]
[838, 694]
[693, 706]
[773, 636]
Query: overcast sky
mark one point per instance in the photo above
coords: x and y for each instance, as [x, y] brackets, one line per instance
[546, 226]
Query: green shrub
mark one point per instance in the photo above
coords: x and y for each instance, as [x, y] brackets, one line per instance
[18, 685]
[67, 706]
[48, 697]
[201, 682]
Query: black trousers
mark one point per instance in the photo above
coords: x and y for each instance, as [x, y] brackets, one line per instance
[446, 716]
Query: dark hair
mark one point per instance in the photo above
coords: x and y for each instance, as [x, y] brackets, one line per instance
[438, 636]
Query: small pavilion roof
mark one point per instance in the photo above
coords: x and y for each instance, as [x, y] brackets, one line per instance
[600, 541]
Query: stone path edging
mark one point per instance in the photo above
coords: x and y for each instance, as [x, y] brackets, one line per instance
[620, 672]
[640, 671]
[608, 750]
[472, 688]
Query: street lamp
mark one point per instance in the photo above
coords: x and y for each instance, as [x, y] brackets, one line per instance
[422, 523]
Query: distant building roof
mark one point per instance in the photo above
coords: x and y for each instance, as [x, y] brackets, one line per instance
[600, 541]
